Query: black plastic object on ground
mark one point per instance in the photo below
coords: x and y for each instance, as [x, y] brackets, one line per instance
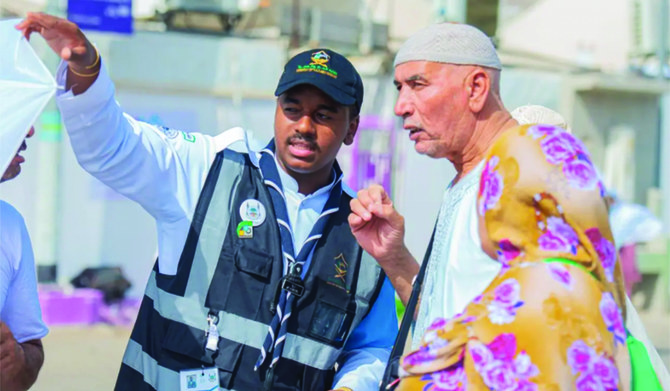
[109, 280]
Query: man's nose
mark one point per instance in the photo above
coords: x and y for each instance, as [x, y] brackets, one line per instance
[403, 106]
[305, 125]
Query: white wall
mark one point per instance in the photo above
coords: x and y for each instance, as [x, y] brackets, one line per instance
[594, 33]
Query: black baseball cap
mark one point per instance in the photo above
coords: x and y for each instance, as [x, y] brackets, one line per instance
[326, 70]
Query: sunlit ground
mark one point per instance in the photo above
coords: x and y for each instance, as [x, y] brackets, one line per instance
[88, 358]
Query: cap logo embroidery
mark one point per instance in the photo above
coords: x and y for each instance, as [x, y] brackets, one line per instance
[319, 64]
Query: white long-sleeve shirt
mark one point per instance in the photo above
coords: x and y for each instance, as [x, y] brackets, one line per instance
[164, 171]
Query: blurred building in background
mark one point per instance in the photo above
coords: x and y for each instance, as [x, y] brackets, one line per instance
[207, 65]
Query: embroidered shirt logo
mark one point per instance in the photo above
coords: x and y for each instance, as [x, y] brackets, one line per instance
[339, 279]
[318, 64]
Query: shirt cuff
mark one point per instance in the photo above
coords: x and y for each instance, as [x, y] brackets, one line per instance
[79, 109]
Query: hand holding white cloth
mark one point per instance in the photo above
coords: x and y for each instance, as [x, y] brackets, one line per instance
[25, 88]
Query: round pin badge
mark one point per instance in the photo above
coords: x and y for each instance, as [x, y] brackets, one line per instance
[252, 210]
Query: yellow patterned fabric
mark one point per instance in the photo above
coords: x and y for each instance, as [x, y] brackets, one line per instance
[552, 319]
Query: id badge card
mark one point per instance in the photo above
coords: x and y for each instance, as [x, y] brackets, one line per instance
[201, 379]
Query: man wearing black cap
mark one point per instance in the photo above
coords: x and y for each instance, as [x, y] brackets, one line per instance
[259, 283]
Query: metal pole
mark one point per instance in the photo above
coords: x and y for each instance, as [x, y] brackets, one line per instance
[663, 38]
[295, 25]
[48, 201]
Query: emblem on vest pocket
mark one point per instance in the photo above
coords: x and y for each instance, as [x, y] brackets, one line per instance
[339, 278]
[245, 229]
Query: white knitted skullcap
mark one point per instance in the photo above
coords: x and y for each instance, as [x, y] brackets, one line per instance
[536, 114]
[450, 43]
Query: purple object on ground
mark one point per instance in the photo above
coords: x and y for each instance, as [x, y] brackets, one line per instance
[79, 307]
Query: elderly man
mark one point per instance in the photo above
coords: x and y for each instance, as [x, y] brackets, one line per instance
[447, 76]
[21, 325]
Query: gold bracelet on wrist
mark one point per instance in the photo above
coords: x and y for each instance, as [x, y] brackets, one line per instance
[97, 59]
[95, 63]
[83, 74]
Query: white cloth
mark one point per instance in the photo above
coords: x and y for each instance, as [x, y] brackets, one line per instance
[26, 86]
[633, 223]
[19, 306]
[459, 270]
[164, 171]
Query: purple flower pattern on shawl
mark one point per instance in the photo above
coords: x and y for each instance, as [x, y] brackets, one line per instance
[557, 148]
[490, 186]
[426, 353]
[559, 236]
[611, 314]
[506, 300]
[596, 372]
[581, 174]
[560, 273]
[539, 131]
[501, 367]
[449, 379]
[560, 147]
[438, 323]
[507, 252]
[605, 249]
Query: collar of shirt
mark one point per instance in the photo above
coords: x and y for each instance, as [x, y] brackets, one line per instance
[303, 210]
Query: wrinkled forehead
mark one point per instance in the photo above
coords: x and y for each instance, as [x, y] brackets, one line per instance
[429, 70]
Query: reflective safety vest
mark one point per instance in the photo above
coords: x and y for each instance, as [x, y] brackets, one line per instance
[235, 278]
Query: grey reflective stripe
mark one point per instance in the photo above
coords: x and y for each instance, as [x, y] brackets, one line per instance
[369, 272]
[188, 310]
[310, 352]
[154, 374]
[138, 360]
[213, 231]
[238, 329]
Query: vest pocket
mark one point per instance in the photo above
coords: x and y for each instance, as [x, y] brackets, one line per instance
[226, 360]
[330, 323]
[185, 348]
[248, 281]
[254, 261]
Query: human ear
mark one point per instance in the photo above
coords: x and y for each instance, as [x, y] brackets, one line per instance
[351, 131]
[478, 85]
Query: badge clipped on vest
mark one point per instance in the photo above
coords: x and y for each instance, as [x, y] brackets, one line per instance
[245, 229]
[252, 210]
[292, 282]
[200, 379]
